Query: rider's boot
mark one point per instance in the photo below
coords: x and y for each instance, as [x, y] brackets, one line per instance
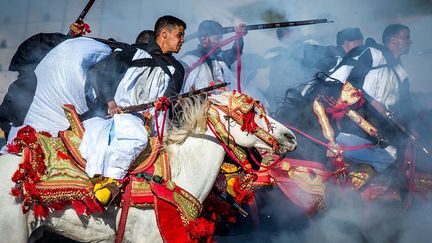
[107, 191]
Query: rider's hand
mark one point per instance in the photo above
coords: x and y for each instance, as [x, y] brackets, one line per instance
[76, 29]
[241, 28]
[381, 141]
[79, 28]
[113, 108]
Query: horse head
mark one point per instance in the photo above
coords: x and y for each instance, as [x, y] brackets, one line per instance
[247, 124]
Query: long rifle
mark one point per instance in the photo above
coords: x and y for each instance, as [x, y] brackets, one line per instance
[83, 13]
[145, 106]
[379, 108]
[266, 26]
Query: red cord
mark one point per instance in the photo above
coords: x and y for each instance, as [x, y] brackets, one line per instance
[215, 48]
[238, 66]
[233, 157]
[343, 147]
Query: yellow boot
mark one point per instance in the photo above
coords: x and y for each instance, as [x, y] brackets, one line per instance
[103, 195]
[97, 186]
[104, 191]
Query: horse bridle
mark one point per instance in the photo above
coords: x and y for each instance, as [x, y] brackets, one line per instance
[240, 108]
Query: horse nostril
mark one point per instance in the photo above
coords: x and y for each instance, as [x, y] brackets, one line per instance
[289, 136]
[291, 139]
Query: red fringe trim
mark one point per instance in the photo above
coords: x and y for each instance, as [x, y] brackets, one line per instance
[40, 211]
[13, 148]
[79, 207]
[242, 195]
[16, 192]
[249, 124]
[215, 209]
[28, 175]
[201, 230]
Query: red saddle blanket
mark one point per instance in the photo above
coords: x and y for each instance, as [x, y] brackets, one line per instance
[52, 174]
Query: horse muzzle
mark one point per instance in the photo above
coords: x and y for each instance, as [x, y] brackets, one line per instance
[287, 143]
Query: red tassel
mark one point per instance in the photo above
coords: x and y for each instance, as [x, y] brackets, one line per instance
[58, 206]
[13, 148]
[28, 134]
[40, 211]
[249, 124]
[17, 176]
[201, 229]
[242, 195]
[16, 192]
[25, 208]
[93, 206]
[31, 189]
[79, 207]
[86, 28]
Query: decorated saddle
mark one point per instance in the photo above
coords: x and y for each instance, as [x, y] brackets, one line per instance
[52, 174]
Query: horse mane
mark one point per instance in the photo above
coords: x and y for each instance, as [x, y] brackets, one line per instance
[189, 118]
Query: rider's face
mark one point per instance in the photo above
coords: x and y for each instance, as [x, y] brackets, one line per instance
[174, 39]
[403, 40]
[211, 41]
[349, 45]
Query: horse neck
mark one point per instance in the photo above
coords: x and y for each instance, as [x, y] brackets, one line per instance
[195, 163]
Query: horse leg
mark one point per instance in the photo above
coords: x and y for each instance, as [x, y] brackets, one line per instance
[13, 226]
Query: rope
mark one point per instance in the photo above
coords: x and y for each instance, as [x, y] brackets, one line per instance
[215, 48]
[161, 104]
[266, 167]
[342, 146]
[125, 210]
[232, 155]
[238, 66]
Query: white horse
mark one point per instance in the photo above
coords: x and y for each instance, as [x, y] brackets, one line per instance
[195, 156]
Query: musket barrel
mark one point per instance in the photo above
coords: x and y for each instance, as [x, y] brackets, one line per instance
[86, 9]
[278, 25]
[267, 26]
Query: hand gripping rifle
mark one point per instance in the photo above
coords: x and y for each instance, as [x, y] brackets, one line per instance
[145, 106]
[83, 13]
[266, 26]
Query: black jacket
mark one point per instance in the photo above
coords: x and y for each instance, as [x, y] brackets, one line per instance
[106, 75]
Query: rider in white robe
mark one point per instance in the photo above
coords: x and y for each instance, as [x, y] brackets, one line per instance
[61, 77]
[110, 145]
[214, 68]
[379, 72]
